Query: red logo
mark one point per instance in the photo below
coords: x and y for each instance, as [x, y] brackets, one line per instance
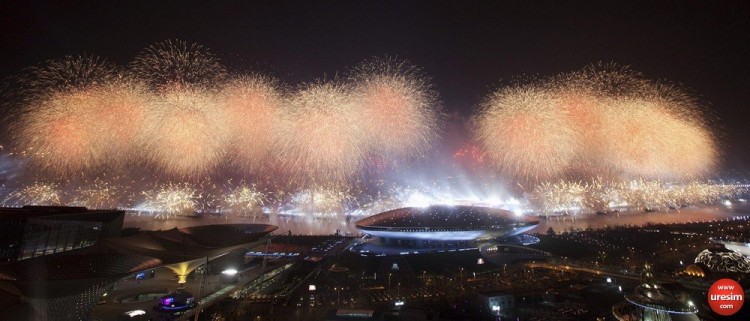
[725, 297]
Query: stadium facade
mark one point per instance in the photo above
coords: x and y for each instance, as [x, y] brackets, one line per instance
[439, 228]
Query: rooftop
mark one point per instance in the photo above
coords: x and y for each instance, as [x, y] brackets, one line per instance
[442, 217]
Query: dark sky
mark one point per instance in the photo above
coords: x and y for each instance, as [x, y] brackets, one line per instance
[467, 48]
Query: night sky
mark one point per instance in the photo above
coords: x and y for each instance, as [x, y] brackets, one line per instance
[468, 49]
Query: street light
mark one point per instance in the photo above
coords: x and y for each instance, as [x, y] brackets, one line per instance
[229, 272]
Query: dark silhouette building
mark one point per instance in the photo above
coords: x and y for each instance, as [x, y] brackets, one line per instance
[58, 261]
[34, 231]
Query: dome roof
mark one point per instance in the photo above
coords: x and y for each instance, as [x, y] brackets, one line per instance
[695, 270]
[724, 261]
[469, 217]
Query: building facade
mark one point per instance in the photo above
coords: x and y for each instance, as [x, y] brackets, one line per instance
[34, 231]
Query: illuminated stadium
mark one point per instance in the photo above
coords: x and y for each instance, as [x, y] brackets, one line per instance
[650, 301]
[438, 228]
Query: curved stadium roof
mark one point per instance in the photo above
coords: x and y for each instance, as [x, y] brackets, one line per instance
[445, 223]
[442, 217]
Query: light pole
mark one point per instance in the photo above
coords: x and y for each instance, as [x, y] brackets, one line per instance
[203, 284]
[389, 282]
[398, 290]
[461, 277]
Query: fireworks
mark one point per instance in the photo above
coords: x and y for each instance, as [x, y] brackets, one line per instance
[69, 73]
[72, 116]
[244, 199]
[171, 199]
[598, 139]
[525, 134]
[602, 120]
[185, 132]
[566, 197]
[57, 133]
[320, 202]
[599, 195]
[398, 104]
[98, 194]
[323, 138]
[177, 63]
[79, 129]
[36, 194]
[253, 111]
[180, 117]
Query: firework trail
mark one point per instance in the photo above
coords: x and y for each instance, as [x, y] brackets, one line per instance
[323, 138]
[70, 72]
[320, 202]
[643, 139]
[98, 194]
[601, 195]
[621, 136]
[57, 133]
[176, 63]
[68, 107]
[244, 199]
[185, 133]
[602, 80]
[79, 129]
[399, 105]
[600, 121]
[253, 113]
[170, 200]
[36, 194]
[523, 131]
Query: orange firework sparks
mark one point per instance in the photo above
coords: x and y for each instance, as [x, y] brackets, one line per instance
[324, 137]
[253, 108]
[399, 106]
[186, 133]
[602, 120]
[175, 62]
[525, 134]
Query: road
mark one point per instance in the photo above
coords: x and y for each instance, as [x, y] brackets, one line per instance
[125, 294]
